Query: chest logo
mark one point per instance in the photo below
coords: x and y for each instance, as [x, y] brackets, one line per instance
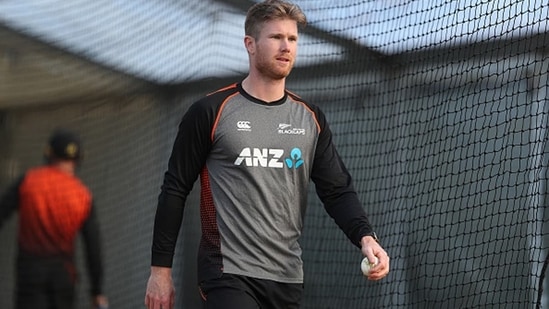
[244, 125]
[285, 128]
[270, 158]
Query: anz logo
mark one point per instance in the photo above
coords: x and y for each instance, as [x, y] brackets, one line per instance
[272, 158]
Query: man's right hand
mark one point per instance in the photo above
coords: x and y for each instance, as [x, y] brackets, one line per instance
[160, 290]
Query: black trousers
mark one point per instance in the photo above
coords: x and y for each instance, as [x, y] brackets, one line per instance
[240, 292]
[45, 283]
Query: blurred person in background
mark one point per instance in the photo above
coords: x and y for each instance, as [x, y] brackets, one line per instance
[54, 206]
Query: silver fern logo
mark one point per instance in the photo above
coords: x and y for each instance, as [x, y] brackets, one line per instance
[285, 128]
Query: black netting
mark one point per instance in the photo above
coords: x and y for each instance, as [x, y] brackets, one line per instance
[439, 110]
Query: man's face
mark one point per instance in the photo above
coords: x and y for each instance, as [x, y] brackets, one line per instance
[273, 52]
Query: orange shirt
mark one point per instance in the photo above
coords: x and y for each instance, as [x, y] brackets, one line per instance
[53, 206]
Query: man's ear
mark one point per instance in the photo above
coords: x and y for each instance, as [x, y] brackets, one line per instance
[249, 43]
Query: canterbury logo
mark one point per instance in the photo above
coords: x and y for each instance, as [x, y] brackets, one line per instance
[272, 158]
[243, 126]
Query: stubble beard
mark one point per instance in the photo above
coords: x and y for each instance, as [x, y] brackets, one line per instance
[274, 70]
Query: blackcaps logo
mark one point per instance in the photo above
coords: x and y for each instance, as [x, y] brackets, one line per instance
[284, 128]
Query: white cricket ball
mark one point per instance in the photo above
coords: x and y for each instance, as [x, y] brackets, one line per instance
[365, 266]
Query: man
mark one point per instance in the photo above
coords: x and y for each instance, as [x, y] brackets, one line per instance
[54, 205]
[255, 146]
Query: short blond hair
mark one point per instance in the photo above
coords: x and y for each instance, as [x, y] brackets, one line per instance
[268, 10]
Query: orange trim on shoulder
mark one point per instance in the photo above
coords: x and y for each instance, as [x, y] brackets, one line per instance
[202, 294]
[223, 89]
[219, 113]
[293, 94]
[299, 100]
